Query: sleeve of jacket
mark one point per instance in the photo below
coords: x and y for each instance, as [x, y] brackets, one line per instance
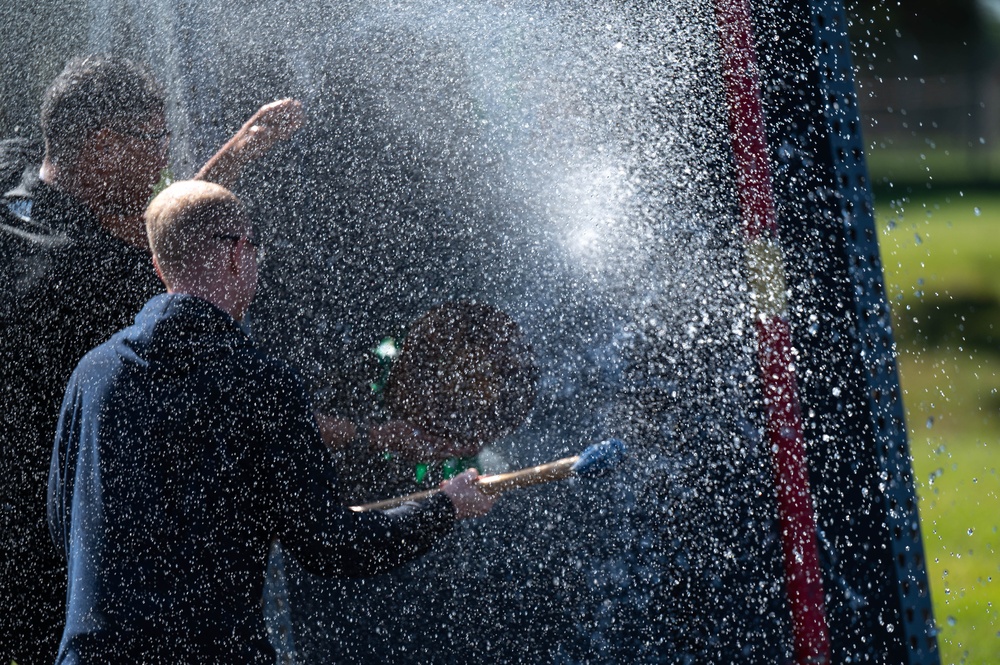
[60, 487]
[314, 526]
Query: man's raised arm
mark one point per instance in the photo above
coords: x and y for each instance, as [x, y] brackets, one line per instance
[272, 123]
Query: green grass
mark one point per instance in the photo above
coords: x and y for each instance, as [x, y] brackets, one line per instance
[941, 254]
[935, 163]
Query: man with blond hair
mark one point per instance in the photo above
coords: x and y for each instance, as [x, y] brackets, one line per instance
[182, 452]
[75, 269]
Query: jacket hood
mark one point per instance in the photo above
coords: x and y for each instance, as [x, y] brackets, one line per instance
[175, 334]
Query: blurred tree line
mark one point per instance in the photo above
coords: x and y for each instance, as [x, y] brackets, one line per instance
[928, 76]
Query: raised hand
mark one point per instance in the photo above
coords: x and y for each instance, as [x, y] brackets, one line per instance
[271, 124]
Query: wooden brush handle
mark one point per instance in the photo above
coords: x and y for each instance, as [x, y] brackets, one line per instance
[490, 485]
[535, 475]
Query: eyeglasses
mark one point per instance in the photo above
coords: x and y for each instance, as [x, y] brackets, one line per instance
[235, 238]
[162, 136]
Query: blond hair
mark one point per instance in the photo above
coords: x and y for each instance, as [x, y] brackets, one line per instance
[184, 222]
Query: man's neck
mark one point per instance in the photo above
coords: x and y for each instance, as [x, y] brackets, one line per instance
[213, 292]
[129, 229]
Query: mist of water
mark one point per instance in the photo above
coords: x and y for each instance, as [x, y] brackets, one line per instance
[567, 162]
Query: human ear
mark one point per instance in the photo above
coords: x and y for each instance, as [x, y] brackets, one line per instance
[236, 257]
[159, 272]
[242, 255]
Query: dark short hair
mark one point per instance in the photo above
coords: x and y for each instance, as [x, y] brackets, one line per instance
[466, 373]
[92, 92]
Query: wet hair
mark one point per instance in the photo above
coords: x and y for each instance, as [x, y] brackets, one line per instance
[466, 372]
[93, 92]
[182, 220]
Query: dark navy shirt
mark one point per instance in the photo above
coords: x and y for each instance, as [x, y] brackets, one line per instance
[181, 452]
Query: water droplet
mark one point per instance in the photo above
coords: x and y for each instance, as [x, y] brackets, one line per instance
[918, 239]
[971, 531]
[930, 422]
[952, 621]
[977, 211]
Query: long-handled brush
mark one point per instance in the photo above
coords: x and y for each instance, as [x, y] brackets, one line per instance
[593, 461]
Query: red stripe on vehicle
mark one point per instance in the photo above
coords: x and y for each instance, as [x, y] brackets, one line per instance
[796, 516]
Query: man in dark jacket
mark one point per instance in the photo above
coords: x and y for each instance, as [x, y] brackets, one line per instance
[182, 452]
[76, 268]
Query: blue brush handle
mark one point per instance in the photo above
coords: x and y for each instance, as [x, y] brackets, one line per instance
[600, 458]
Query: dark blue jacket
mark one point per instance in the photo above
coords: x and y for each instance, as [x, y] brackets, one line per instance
[182, 451]
[66, 285]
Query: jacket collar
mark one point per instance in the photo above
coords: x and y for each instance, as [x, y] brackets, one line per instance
[178, 333]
